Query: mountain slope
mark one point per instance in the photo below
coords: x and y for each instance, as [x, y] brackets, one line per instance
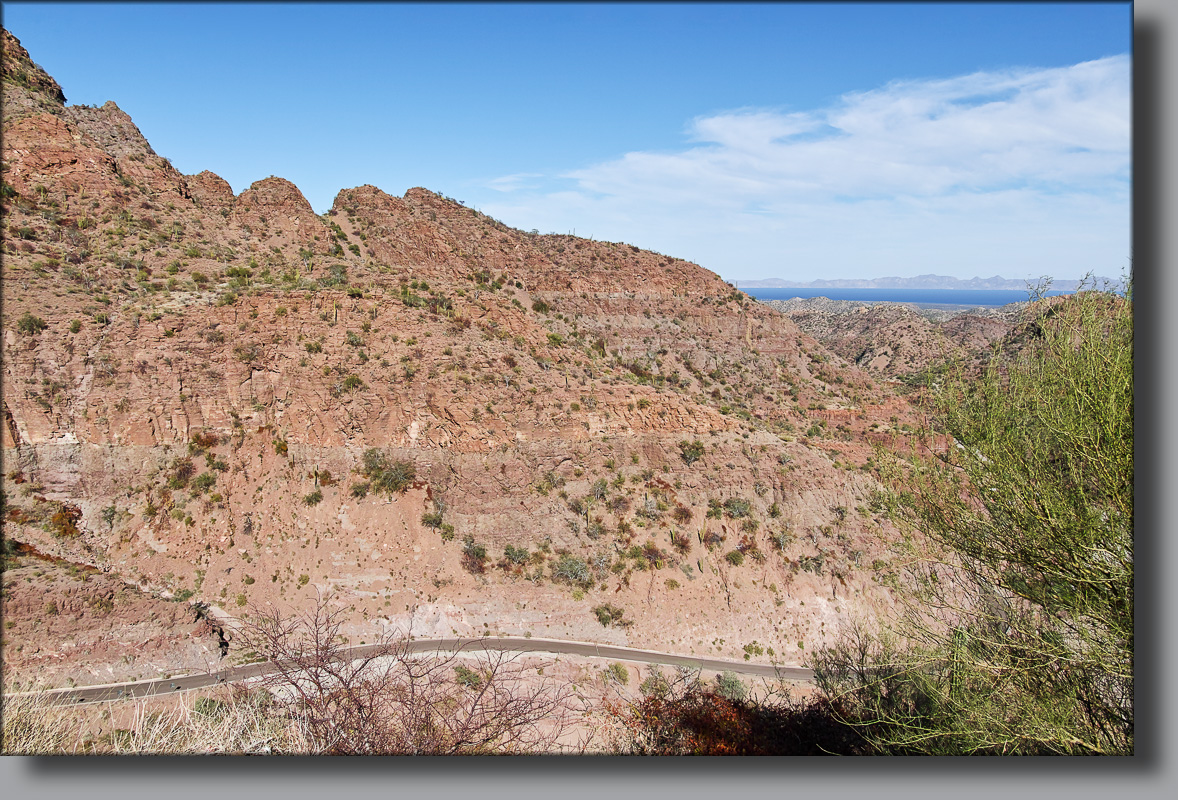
[200, 389]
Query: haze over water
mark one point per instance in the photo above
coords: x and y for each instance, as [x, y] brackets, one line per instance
[949, 297]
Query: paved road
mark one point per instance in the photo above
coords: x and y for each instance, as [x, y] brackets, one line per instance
[121, 691]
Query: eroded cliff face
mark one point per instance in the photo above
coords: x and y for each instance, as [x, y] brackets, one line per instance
[193, 379]
[890, 341]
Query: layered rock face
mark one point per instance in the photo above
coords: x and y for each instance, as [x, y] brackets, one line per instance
[199, 388]
[891, 341]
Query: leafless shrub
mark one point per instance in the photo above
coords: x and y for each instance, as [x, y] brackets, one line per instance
[386, 699]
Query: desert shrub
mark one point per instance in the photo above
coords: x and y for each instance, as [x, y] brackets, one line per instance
[313, 498]
[64, 522]
[691, 452]
[681, 542]
[1021, 641]
[204, 482]
[432, 519]
[737, 507]
[730, 686]
[516, 555]
[394, 701]
[474, 555]
[465, 676]
[385, 475]
[608, 614]
[29, 324]
[182, 471]
[572, 569]
[617, 673]
[734, 557]
[247, 352]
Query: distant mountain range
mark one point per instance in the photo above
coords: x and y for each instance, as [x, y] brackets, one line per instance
[918, 282]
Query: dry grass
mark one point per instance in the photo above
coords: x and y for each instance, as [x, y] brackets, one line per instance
[233, 721]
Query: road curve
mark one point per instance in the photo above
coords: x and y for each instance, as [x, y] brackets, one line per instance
[149, 688]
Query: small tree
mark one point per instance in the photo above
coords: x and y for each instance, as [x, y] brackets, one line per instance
[1019, 632]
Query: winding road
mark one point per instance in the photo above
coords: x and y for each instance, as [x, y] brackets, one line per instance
[183, 683]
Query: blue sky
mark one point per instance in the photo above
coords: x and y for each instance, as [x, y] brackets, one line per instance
[793, 140]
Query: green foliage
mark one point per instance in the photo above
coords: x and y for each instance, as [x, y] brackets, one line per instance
[1027, 523]
[655, 684]
[204, 482]
[474, 555]
[608, 614]
[571, 569]
[730, 686]
[465, 676]
[516, 555]
[691, 451]
[31, 325]
[384, 475]
[737, 507]
[734, 557]
[617, 673]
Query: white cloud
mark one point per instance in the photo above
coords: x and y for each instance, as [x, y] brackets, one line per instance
[1018, 171]
[515, 182]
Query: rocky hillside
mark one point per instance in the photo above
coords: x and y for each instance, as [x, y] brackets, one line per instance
[894, 341]
[447, 424]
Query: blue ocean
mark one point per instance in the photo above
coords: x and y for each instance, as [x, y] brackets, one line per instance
[922, 297]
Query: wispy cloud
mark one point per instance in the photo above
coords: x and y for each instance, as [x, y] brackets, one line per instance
[1021, 171]
[515, 182]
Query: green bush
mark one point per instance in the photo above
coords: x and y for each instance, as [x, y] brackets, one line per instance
[1021, 641]
[608, 614]
[30, 324]
[516, 555]
[737, 507]
[691, 452]
[617, 673]
[204, 482]
[730, 686]
[384, 475]
[467, 677]
[474, 555]
[571, 569]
